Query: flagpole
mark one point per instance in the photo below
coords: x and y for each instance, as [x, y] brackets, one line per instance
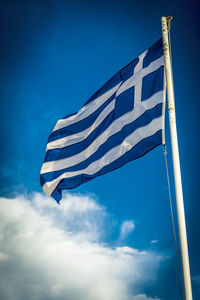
[176, 165]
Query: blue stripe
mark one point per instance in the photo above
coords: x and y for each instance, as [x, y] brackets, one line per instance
[112, 142]
[139, 150]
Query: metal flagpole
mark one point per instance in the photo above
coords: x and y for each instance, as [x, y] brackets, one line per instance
[176, 164]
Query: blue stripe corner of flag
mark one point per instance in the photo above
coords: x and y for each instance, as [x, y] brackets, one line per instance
[121, 122]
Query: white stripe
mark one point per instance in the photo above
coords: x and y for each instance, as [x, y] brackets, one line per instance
[86, 110]
[80, 136]
[114, 127]
[136, 80]
[132, 140]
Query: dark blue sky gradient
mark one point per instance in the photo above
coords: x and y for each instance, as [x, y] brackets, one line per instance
[54, 56]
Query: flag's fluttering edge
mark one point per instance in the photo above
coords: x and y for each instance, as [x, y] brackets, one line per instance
[119, 123]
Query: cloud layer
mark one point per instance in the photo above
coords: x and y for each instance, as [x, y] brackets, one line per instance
[50, 251]
[126, 228]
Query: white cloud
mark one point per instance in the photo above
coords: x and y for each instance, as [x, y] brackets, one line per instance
[144, 297]
[50, 251]
[3, 256]
[154, 241]
[126, 228]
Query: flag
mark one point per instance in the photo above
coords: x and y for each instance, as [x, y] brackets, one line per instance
[121, 122]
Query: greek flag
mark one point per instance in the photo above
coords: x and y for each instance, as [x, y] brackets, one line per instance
[122, 121]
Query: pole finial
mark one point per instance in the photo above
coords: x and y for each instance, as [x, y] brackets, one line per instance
[169, 19]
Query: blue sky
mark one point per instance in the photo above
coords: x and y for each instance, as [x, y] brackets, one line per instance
[54, 56]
